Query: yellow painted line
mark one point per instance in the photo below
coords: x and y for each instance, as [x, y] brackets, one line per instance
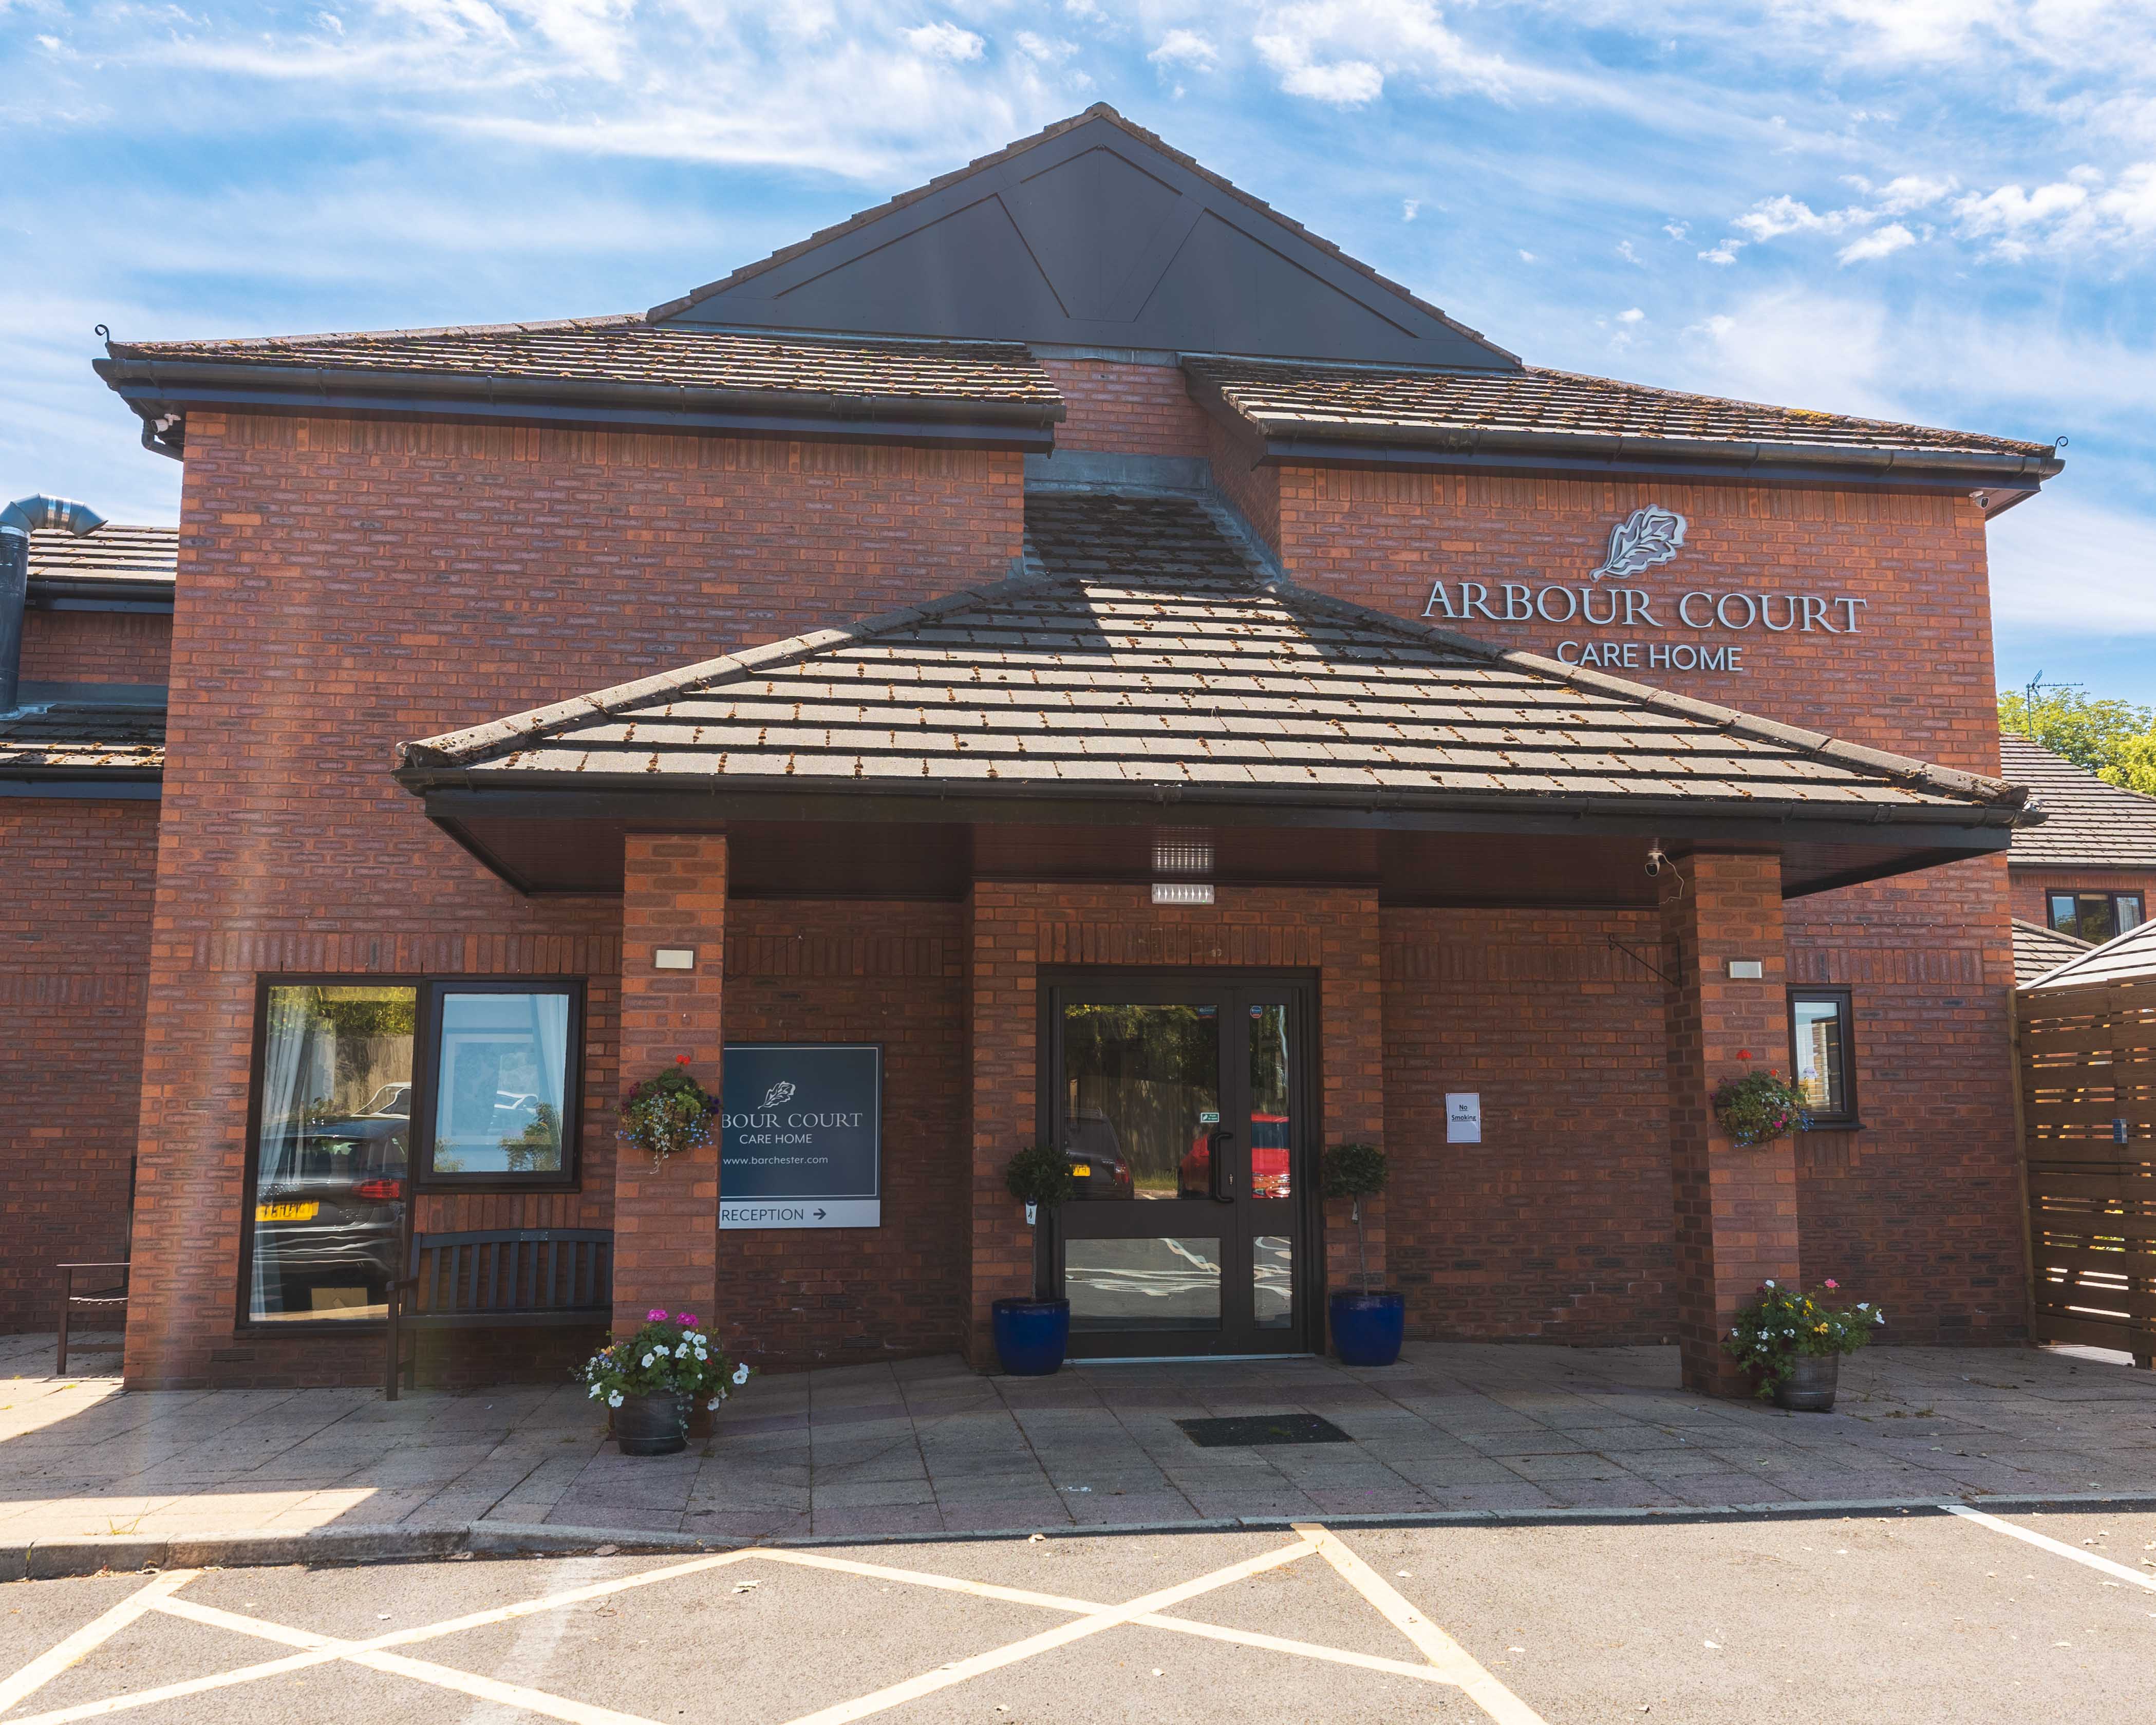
[964, 1669]
[2057, 1548]
[92, 1635]
[1439, 1649]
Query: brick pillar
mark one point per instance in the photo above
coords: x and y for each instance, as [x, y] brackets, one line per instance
[666, 1218]
[1351, 1040]
[1002, 1003]
[1736, 1210]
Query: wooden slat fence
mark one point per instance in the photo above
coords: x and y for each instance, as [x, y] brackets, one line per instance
[2087, 1060]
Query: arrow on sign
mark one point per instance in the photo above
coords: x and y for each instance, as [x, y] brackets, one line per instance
[819, 1215]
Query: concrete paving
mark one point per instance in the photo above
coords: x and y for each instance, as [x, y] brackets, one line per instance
[1907, 1619]
[926, 1447]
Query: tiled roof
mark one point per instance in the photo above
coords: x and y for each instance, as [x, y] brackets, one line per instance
[114, 552]
[82, 741]
[1143, 653]
[2039, 950]
[1099, 111]
[2131, 957]
[2087, 822]
[627, 350]
[1317, 401]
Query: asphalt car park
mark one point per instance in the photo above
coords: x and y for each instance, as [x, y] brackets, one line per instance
[1906, 1616]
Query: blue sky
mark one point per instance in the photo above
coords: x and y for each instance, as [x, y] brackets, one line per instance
[1940, 210]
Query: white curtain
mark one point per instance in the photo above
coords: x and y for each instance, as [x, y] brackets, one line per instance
[291, 1037]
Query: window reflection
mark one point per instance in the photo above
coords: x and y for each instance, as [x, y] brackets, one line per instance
[1270, 1123]
[503, 1065]
[1818, 1036]
[327, 1207]
[1142, 1284]
[1141, 1097]
[1272, 1280]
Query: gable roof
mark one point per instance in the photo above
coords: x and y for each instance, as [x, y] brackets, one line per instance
[1143, 656]
[1092, 232]
[2038, 951]
[620, 371]
[2088, 823]
[114, 552]
[2129, 958]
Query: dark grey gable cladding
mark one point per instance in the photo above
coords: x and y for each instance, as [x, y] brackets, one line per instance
[1093, 232]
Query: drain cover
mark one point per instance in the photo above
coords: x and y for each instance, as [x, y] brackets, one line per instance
[1251, 1429]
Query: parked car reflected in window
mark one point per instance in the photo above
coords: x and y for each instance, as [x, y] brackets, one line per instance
[500, 1073]
[335, 1120]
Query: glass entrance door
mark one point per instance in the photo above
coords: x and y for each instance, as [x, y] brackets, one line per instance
[1181, 1109]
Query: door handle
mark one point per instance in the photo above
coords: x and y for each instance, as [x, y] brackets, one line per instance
[1220, 1183]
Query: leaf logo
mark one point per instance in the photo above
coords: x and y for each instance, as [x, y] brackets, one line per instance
[1646, 537]
[779, 1092]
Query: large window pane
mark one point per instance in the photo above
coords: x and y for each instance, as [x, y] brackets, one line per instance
[500, 1074]
[326, 1210]
[2129, 911]
[1817, 1028]
[1144, 1098]
[1143, 1284]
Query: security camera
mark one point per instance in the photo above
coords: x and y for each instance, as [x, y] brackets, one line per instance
[1656, 861]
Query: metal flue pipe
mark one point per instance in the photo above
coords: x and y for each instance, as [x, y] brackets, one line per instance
[17, 521]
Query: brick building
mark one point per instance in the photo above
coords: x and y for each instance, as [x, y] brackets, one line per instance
[1067, 654]
[2086, 874]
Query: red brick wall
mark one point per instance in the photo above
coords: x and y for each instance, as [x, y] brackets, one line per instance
[666, 1212]
[1916, 677]
[344, 587]
[1019, 928]
[95, 647]
[1132, 409]
[74, 955]
[1921, 1211]
[1557, 1225]
[884, 972]
[2028, 888]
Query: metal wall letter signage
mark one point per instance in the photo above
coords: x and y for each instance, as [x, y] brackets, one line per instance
[1646, 537]
[800, 1135]
[1726, 624]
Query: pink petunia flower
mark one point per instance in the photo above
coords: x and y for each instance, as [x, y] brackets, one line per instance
[685, 1318]
[1832, 1283]
[657, 1314]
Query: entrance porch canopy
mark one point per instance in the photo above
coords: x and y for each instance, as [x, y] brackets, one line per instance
[1145, 667]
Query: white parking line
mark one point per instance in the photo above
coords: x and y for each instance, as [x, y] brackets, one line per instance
[1454, 1661]
[960, 1670]
[2057, 1548]
[85, 1640]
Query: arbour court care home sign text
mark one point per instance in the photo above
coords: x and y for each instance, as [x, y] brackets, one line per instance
[800, 1135]
[1645, 539]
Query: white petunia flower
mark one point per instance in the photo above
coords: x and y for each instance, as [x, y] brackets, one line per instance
[597, 1390]
[614, 1400]
[740, 1373]
[713, 1403]
[701, 1354]
[647, 1359]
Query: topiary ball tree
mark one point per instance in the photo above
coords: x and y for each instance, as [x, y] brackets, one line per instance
[1356, 1171]
[1041, 1176]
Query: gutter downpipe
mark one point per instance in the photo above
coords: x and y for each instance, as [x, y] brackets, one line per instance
[18, 521]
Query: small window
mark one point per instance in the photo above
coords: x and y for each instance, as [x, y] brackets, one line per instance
[2096, 917]
[501, 1085]
[1822, 1055]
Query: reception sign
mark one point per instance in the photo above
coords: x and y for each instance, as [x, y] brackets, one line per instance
[800, 1140]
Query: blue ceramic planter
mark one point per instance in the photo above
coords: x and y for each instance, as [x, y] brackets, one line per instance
[1367, 1327]
[1031, 1336]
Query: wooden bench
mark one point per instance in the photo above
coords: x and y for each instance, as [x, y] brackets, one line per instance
[106, 1302]
[521, 1277]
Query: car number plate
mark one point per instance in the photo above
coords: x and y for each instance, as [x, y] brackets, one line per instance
[1082, 1170]
[286, 1212]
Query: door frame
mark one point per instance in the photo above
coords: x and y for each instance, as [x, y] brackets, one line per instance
[1167, 983]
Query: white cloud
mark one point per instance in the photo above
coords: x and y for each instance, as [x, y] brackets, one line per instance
[1724, 252]
[1529, 258]
[2058, 556]
[1050, 51]
[946, 41]
[1634, 314]
[1186, 48]
[1342, 51]
[1879, 243]
[1408, 206]
[1677, 230]
[1625, 250]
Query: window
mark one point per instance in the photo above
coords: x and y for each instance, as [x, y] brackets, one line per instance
[363, 1087]
[2096, 917]
[1822, 1055]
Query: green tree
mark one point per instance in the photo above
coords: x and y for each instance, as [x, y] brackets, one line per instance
[2115, 740]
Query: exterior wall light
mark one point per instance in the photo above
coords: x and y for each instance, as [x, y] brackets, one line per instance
[1183, 893]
